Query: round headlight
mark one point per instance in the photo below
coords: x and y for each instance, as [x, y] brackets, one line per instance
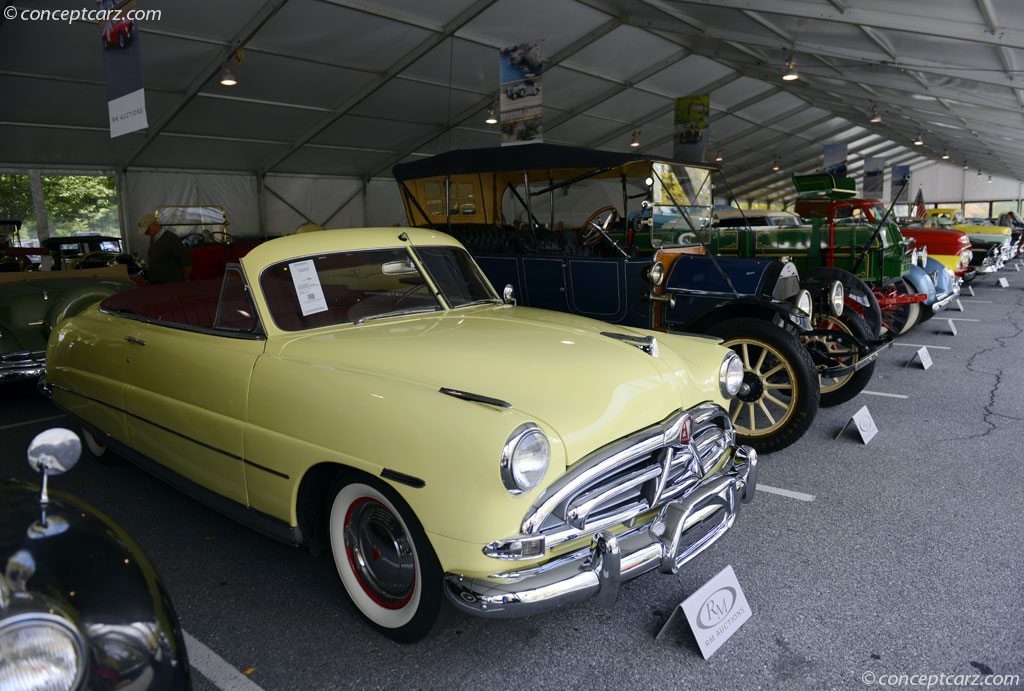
[913, 256]
[524, 459]
[40, 651]
[730, 375]
[804, 303]
[922, 256]
[655, 273]
[836, 298]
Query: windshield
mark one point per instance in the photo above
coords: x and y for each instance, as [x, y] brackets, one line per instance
[680, 195]
[682, 203]
[345, 287]
[456, 275]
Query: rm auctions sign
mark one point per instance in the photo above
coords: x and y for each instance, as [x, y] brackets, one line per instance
[716, 611]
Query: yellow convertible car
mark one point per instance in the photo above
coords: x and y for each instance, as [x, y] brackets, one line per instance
[366, 392]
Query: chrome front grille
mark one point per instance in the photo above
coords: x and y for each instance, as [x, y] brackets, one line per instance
[631, 476]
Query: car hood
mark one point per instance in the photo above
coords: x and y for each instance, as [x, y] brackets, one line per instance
[556, 368]
[939, 240]
[983, 230]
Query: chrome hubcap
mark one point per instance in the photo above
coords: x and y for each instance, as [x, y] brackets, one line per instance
[380, 553]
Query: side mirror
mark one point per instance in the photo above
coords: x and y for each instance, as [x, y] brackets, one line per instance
[508, 295]
[53, 452]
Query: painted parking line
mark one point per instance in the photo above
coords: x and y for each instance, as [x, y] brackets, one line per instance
[887, 395]
[32, 422]
[215, 668]
[918, 345]
[784, 492]
[962, 319]
[987, 302]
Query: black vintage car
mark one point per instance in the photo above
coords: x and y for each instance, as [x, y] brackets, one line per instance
[550, 222]
[81, 607]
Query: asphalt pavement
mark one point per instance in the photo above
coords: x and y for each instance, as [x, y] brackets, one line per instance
[900, 557]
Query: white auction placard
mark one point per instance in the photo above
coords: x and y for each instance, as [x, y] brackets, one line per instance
[716, 611]
[307, 287]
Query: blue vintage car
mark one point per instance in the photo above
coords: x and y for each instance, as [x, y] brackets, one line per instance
[549, 223]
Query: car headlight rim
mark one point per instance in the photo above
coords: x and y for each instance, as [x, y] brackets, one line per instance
[62, 654]
[656, 274]
[836, 298]
[525, 458]
[730, 375]
[913, 256]
[923, 257]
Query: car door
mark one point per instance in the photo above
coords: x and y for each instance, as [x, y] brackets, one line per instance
[187, 390]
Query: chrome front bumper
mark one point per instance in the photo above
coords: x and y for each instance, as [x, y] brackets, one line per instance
[682, 529]
[940, 305]
[22, 365]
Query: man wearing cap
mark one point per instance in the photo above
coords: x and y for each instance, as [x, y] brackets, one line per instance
[168, 260]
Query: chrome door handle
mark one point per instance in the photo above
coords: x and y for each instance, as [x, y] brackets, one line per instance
[131, 339]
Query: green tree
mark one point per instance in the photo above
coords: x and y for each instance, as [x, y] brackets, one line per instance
[74, 204]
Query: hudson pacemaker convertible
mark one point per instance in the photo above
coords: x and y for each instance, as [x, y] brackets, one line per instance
[368, 393]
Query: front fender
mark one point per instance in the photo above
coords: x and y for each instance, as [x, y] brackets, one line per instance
[750, 307]
[920, 282]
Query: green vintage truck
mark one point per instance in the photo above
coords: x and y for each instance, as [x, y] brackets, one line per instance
[852, 239]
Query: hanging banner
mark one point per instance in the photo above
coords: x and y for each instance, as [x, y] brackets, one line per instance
[900, 175]
[835, 160]
[691, 128]
[522, 107]
[122, 61]
[874, 177]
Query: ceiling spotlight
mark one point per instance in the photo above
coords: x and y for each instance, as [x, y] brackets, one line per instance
[636, 139]
[790, 74]
[919, 139]
[777, 165]
[492, 119]
[875, 115]
[228, 79]
[966, 166]
[989, 179]
[979, 172]
[719, 157]
[945, 155]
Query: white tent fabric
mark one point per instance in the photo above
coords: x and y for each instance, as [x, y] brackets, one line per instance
[347, 88]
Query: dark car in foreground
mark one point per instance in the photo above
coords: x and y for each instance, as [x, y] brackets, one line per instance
[81, 606]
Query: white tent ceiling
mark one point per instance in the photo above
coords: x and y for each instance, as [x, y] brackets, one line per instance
[351, 87]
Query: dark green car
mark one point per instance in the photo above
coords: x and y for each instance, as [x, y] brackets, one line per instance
[850, 239]
[32, 303]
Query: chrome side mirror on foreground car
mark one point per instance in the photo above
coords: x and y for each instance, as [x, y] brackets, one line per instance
[53, 452]
[508, 294]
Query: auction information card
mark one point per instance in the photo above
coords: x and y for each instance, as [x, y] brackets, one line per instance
[307, 287]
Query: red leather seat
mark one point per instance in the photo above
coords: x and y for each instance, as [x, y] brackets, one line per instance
[208, 261]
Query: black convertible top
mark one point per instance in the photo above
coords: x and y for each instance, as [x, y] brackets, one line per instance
[523, 157]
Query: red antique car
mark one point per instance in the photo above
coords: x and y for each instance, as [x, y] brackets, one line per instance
[951, 247]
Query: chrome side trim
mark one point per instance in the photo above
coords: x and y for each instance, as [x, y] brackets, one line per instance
[21, 365]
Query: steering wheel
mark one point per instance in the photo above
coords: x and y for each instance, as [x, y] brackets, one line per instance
[226, 237]
[590, 232]
[409, 292]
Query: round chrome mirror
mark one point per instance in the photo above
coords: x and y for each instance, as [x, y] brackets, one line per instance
[54, 451]
[508, 294]
[649, 182]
